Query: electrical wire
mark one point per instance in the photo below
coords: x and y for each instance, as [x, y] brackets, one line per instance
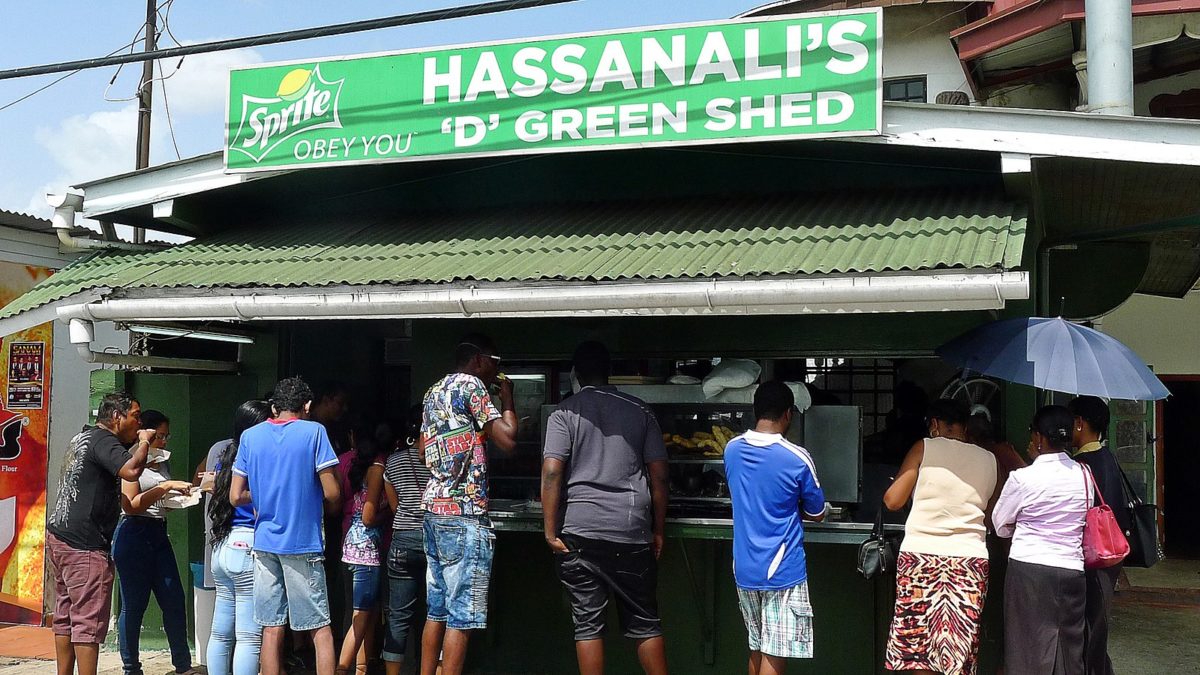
[395, 21]
[65, 76]
[167, 108]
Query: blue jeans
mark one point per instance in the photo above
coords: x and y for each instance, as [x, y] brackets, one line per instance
[145, 565]
[290, 589]
[365, 586]
[236, 638]
[406, 588]
[459, 550]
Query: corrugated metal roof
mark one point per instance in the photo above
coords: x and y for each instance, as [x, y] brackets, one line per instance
[663, 240]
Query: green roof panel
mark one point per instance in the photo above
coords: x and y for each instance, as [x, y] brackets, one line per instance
[695, 239]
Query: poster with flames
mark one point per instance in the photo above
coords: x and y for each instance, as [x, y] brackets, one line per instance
[24, 427]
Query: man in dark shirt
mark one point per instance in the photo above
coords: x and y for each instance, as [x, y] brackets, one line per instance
[1091, 425]
[80, 528]
[605, 451]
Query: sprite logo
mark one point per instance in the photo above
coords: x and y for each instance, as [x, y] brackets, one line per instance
[303, 101]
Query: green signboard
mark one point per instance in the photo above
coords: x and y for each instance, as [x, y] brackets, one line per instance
[810, 75]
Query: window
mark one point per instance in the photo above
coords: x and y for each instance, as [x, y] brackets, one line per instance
[911, 89]
[867, 383]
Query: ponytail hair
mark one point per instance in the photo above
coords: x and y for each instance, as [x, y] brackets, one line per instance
[1053, 423]
[220, 511]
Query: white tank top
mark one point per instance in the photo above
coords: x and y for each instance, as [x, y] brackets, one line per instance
[955, 482]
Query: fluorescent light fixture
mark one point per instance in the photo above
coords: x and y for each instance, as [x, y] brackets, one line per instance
[525, 376]
[199, 334]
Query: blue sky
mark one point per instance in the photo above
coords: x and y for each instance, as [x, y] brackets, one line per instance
[80, 129]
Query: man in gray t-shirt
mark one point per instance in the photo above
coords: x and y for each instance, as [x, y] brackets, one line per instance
[604, 453]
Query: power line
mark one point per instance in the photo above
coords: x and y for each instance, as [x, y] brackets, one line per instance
[44, 87]
[285, 36]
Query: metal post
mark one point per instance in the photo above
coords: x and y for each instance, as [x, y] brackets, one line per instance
[145, 103]
[1109, 26]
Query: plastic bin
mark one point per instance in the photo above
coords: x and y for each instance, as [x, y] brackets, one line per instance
[204, 601]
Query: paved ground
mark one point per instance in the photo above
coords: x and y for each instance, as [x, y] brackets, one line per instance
[1156, 631]
[1155, 639]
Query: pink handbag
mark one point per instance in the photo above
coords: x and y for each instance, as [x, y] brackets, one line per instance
[1104, 544]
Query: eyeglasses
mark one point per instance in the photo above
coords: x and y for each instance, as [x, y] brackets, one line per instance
[163, 437]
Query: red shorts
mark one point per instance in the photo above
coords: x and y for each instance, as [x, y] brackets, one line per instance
[83, 583]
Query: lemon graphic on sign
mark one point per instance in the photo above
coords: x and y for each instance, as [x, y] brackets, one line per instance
[294, 84]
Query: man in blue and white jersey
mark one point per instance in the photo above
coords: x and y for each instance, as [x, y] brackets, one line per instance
[774, 487]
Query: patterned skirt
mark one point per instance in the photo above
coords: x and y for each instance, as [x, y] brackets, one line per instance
[939, 604]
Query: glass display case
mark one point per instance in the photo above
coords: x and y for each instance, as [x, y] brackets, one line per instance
[695, 435]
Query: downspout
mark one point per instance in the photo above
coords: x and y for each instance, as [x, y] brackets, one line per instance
[1109, 34]
[65, 207]
[83, 332]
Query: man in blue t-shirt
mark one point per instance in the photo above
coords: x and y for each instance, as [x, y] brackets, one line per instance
[774, 487]
[289, 466]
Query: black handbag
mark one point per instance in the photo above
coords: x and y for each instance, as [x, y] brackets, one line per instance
[877, 555]
[1144, 550]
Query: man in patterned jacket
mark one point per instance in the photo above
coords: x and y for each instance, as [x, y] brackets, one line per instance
[459, 418]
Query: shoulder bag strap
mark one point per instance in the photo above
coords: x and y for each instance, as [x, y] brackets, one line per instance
[1130, 495]
[1089, 481]
[877, 531]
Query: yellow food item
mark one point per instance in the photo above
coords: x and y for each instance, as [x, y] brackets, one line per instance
[702, 436]
[292, 86]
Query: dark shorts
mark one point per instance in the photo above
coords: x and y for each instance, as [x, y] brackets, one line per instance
[593, 570]
[83, 582]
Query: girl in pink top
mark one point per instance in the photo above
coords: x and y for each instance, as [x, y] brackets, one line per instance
[363, 520]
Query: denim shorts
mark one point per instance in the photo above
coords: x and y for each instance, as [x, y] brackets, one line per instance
[366, 583]
[459, 550]
[290, 589]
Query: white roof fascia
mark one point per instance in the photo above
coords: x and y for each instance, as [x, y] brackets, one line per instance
[159, 184]
[1040, 133]
[925, 125]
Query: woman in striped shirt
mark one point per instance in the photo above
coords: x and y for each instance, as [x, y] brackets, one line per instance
[404, 479]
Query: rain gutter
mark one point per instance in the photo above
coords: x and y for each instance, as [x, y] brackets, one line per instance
[65, 207]
[940, 291]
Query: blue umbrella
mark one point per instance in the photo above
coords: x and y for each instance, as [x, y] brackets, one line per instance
[1057, 355]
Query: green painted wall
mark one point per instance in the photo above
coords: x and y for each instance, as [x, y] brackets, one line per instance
[200, 408]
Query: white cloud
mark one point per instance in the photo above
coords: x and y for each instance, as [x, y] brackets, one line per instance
[93, 145]
[199, 85]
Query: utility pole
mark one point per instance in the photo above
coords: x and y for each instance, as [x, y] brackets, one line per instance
[145, 100]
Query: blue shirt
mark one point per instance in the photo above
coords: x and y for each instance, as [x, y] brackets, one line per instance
[280, 462]
[770, 481]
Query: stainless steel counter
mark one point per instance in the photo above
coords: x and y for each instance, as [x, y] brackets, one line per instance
[510, 515]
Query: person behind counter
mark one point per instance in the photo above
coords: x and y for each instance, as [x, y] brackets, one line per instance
[1091, 424]
[289, 466]
[942, 569]
[774, 487]
[1043, 508]
[79, 530]
[458, 415]
[604, 451]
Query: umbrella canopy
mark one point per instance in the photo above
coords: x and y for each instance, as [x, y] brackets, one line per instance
[1057, 355]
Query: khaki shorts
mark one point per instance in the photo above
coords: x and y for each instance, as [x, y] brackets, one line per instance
[83, 582]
